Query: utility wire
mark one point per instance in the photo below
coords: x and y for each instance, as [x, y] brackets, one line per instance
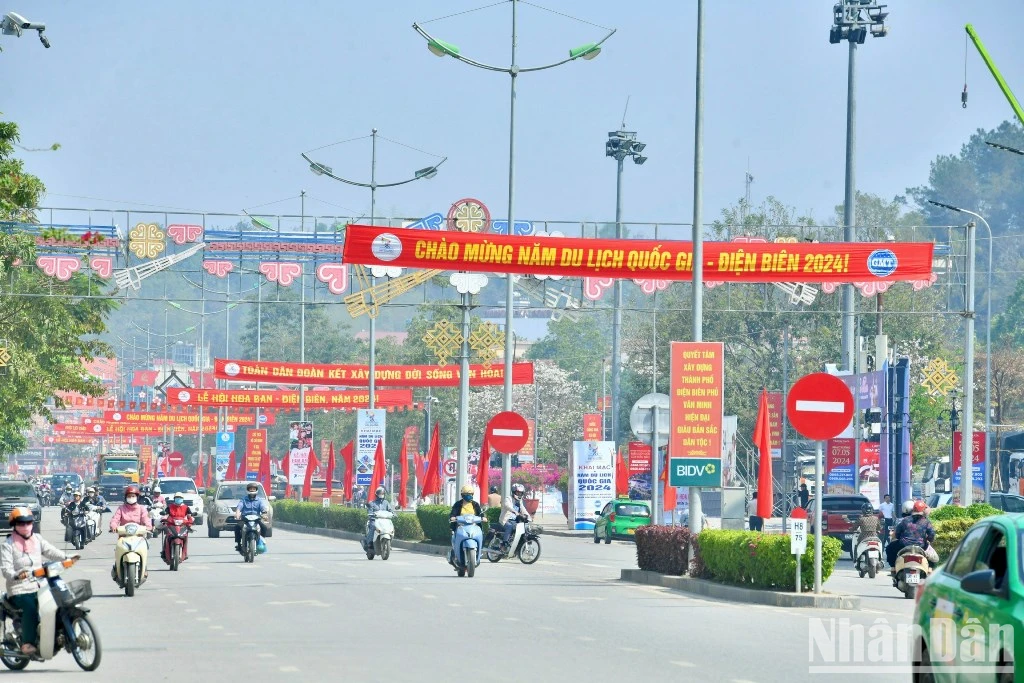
[469, 11]
[415, 149]
[567, 16]
[339, 142]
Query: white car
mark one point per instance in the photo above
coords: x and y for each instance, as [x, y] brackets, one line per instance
[187, 487]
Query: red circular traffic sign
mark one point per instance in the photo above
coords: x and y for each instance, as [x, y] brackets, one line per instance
[175, 459]
[507, 432]
[820, 406]
[451, 467]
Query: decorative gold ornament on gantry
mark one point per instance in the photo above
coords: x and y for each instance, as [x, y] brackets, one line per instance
[5, 356]
[445, 340]
[488, 341]
[939, 378]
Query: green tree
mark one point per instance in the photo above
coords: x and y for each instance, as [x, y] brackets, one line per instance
[49, 326]
[579, 347]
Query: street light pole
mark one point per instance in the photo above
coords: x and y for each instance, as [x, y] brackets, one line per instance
[988, 335]
[696, 513]
[441, 48]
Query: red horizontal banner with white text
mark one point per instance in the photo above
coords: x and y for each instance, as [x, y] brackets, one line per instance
[98, 428]
[266, 398]
[274, 372]
[631, 259]
[179, 419]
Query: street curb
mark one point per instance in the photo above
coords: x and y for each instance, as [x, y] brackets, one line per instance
[412, 546]
[758, 596]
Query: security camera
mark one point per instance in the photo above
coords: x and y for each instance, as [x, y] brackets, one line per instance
[43, 39]
[23, 23]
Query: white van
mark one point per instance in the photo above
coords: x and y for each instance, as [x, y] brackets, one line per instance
[187, 487]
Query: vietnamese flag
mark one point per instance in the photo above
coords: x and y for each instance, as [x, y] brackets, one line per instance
[286, 467]
[230, 474]
[763, 441]
[199, 473]
[330, 470]
[350, 473]
[403, 459]
[379, 464]
[621, 477]
[483, 468]
[264, 474]
[432, 480]
[669, 498]
[311, 465]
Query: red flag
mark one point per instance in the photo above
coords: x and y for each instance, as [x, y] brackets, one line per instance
[621, 477]
[330, 470]
[199, 473]
[264, 475]
[403, 480]
[286, 467]
[210, 471]
[311, 465]
[763, 441]
[350, 474]
[669, 498]
[230, 474]
[432, 480]
[379, 464]
[483, 479]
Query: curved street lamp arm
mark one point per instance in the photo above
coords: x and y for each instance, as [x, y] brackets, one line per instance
[432, 167]
[504, 69]
[323, 171]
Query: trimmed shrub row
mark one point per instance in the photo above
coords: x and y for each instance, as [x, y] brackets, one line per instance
[663, 549]
[407, 527]
[433, 520]
[975, 511]
[763, 560]
[949, 532]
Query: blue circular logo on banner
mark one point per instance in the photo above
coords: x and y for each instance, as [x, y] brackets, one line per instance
[882, 262]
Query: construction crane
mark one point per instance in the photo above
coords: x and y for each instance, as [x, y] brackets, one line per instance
[995, 74]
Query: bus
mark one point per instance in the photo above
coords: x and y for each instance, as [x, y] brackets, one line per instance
[123, 462]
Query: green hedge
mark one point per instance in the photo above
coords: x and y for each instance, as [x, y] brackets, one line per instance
[762, 560]
[407, 527]
[975, 511]
[948, 533]
[434, 521]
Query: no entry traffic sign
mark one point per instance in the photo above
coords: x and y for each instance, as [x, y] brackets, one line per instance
[820, 406]
[507, 432]
[176, 459]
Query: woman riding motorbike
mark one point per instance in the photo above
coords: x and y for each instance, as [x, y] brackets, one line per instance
[912, 530]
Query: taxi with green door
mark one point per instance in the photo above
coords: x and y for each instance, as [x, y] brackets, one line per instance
[970, 611]
[620, 518]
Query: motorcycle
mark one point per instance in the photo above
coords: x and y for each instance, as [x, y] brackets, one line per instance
[175, 546]
[251, 539]
[467, 541]
[383, 532]
[76, 530]
[94, 521]
[63, 621]
[525, 543]
[911, 569]
[130, 556]
[869, 556]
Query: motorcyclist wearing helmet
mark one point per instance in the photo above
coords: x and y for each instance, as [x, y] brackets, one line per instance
[145, 497]
[93, 497]
[513, 510]
[132, 512]
[465, 506]
[868, 524]
[379, 503]
[66, 496]
[20, 554]
[157, 496]
[176, 509]
[251, 505]
[912, 530]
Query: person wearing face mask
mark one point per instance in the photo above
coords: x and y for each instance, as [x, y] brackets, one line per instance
[21, 554]
[176, 509]
[131, 512]
[379, 503]
[465, 506]
[513, 510]
[250, 505]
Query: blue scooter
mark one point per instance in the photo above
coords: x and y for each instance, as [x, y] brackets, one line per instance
[466, 544]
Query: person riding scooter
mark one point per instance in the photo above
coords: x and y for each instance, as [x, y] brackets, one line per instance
[912, 530]
[131, 512]
[513, 510]
[250, 505]
[868, 524]
[20, 554]
[65, 497]
[380, 503]
[176, 510]
[465, 506]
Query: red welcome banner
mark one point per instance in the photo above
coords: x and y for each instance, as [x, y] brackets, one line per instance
[274, 398]
[592, 427]
[255, 447]
[175, 419]
[104, 428]
[631, 259]
[274, 372]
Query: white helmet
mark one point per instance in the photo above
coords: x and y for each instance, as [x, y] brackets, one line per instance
[908, 507]
[156, 490]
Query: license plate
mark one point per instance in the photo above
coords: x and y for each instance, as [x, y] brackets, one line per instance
[913, 578]
[849, 537]
[630, 531]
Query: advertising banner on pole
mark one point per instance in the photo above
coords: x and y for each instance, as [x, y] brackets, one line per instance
[369, 430]
[639, 470]
[775, 422]
[146, 455]
[527, 455]
[978, 474]
[840, 466]
[592, 427]
[868, 470]
[695, 401]
[730, 449]
[255, 447]
[300, 446]
[225, 444]
[592, 484]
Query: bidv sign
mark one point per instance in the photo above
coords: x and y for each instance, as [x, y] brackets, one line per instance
[882, 262]
[699, 472]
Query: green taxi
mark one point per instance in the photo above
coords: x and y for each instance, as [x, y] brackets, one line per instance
[970, 611]
[620, 518]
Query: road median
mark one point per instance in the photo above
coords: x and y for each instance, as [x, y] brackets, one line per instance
[721, 591]
[412, 546]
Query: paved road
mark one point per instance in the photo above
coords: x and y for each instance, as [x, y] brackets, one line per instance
[314, 609]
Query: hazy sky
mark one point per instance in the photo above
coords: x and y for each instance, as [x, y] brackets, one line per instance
[207, 105]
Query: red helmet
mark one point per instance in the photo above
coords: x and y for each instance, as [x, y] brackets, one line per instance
[920, 507]
[131, 489]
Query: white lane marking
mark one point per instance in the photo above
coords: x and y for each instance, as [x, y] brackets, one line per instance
[299, 565]
[511, 618]
[185, 602]
[215, 627]
[576, 600]
[602, 566]
[587, 639]
[428, 596]
[479, 611]
[630, 649]
[288, 669]
[546, 628]
[741, 680]
[230, 634]
[202, 618]
[265, 655]
[820, 406]
[455, 604]
[311, 603]
[683, 664]
[407, 588]
[507, 432]
[191, 611]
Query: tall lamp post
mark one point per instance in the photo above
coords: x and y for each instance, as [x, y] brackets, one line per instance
[423, 173]
[620, 145]
[852, 21]
[969, 314]
[441, 48]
